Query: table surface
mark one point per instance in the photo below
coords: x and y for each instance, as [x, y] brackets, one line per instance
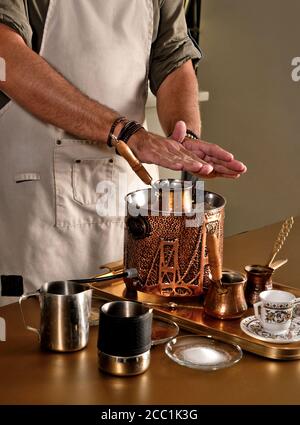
[8, 300]
[29, 376]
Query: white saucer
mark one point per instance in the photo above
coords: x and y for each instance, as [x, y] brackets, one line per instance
[252, 326]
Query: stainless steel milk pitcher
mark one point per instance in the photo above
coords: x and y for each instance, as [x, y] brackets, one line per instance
[65, 309]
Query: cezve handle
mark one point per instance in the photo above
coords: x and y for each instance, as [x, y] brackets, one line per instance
[132, 160]
[128, 273]
[214, 257]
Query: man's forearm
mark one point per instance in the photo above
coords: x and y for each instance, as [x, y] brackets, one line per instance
[42, 91]
[177, 100]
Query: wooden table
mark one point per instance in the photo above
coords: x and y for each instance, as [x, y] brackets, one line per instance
[28, 376]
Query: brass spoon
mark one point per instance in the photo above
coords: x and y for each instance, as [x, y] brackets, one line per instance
[278, 263]
[281, 238]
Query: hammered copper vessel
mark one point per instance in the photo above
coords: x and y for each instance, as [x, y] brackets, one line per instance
[168, 246]
[227, 300]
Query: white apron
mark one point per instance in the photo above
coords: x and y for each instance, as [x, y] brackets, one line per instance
[49, 226]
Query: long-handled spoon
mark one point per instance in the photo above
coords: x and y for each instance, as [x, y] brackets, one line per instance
[281, 238]
[278, 263]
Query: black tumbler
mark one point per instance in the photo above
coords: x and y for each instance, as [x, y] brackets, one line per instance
[124, 339]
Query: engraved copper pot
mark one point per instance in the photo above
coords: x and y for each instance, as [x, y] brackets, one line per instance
[227, 299]
[165, 239]
[259, 278]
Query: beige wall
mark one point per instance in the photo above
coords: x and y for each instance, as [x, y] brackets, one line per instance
[254, 106]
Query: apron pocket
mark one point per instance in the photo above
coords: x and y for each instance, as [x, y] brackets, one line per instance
[87, 173]
[79, 167]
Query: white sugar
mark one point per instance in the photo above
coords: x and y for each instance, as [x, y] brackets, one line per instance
[204, 356]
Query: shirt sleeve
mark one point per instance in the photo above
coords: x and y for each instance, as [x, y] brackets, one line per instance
[13, 13]
[172, 46]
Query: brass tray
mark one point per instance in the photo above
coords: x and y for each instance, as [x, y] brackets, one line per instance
[195, 321]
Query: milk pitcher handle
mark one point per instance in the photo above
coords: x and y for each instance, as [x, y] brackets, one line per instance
[25, 297]
[257, 309]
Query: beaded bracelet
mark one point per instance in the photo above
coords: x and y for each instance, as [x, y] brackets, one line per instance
[191, 135]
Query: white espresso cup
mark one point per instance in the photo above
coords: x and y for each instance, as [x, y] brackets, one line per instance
[275, 310]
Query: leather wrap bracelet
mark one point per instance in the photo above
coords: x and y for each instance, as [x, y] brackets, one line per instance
[129, 130]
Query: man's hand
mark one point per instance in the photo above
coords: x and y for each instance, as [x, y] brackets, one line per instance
[153, 149]
[177, 99]
[39, 89]
[223, 162]
[181, 154]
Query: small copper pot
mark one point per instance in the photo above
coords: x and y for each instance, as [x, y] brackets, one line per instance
[259, 278]
[226, 300]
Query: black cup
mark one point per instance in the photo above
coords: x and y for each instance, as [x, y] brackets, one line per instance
[124, 338]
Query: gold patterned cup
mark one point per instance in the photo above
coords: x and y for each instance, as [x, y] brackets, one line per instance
[275, 310]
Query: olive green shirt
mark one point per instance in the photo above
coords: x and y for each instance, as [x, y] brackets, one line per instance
[171, 43]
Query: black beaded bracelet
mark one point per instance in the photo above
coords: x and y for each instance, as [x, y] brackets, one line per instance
[191, 135]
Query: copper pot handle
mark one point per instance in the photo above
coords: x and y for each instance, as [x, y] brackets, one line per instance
[214, 257]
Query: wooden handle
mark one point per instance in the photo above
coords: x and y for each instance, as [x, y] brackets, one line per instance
[114, 267]
[214, 257]
[134, 163]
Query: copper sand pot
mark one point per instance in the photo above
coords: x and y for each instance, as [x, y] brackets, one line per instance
[168, 246]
